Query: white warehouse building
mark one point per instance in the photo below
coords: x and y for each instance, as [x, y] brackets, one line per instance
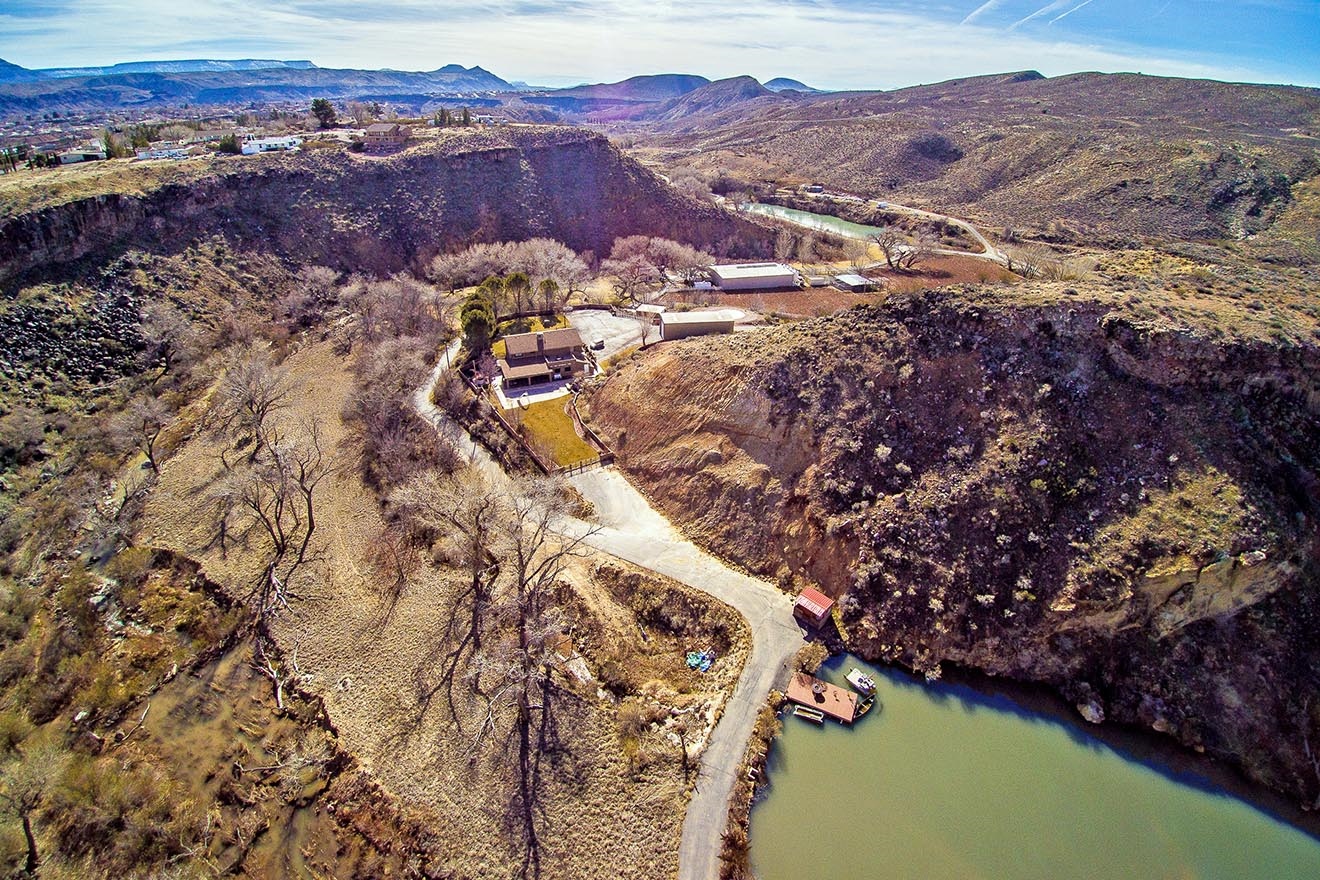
[754, 276]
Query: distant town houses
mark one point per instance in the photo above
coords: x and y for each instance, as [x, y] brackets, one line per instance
[270, 145]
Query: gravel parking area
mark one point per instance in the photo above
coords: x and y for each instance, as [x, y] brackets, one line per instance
[619, 333]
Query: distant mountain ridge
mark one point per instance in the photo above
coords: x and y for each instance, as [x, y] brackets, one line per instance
[784, 84]
[13, 73]
[31, 91]
[655, 87]
[193, 65]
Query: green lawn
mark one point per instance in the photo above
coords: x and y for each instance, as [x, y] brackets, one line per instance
[550, 428]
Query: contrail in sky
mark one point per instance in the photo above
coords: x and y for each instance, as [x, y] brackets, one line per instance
[1044, 10]
[981, 10]
[1075, 8]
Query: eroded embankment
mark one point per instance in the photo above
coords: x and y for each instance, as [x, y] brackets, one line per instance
[1057, 494]
[371, 214]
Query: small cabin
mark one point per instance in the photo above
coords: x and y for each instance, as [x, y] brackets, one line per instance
[854, 283]
[812, 607]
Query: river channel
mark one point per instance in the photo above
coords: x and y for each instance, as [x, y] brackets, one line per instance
[946, 783]
[819, 222]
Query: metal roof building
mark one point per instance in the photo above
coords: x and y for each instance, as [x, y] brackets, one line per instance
[754, 276]
[679, 325]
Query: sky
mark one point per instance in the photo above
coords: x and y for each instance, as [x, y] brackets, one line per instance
[835, 44]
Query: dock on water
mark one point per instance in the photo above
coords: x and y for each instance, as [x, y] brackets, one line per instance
[834, 702]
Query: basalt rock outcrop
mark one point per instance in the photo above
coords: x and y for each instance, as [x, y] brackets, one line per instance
[1121, 509]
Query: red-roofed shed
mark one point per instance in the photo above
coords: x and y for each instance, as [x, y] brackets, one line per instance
[812, 606]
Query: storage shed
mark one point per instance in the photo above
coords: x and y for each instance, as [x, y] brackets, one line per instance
[812, 607]
[854, 283]
[754, 276]
[680, 325]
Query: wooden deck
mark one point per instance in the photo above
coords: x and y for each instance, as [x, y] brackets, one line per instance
[836, 702]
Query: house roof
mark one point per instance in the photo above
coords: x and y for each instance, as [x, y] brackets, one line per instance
[854, 280]
[716, 317]
[521, 345]
[383, 128]
[752, 270]
[814, 602]
[531, 370]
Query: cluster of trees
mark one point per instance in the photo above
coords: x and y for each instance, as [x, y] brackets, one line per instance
[445, 118]
[400, 323]
[641, 265]
[504, 626]
[537, 258]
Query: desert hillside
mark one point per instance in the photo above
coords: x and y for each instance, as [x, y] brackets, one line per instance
[1040, 482]
[1117, 157]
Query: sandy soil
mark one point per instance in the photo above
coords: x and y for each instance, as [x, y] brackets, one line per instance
[821, 301]
[373, 664]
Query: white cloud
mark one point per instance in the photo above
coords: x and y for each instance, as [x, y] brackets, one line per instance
[825, 43]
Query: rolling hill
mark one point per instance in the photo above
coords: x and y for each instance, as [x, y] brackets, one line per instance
[1117, 156]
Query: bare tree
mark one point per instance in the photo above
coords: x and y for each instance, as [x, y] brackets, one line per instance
[634, 277]
[251, 389]
[465, 510]
[920, 252]
[275, 496]
[857, 252]
[168, 335]
[23, 785]
[140, 426]
[523, 665]
[891, 245]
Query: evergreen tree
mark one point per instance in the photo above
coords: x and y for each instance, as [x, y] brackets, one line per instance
[324, 112]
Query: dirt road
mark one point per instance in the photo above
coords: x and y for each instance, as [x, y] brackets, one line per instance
[628, 527]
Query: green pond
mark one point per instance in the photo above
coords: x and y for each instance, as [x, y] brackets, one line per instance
[821, 222]
[947, 783]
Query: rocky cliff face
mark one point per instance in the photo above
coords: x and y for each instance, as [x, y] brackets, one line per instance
[1123, 510]
[380, 215]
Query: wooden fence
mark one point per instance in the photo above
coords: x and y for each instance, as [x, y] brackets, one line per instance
[604, 459]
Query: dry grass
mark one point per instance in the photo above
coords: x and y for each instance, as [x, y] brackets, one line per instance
[34, 189]
[613, 804]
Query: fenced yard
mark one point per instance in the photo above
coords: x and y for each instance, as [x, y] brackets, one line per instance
[549, 430]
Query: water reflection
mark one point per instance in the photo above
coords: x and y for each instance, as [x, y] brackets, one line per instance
[950, 782]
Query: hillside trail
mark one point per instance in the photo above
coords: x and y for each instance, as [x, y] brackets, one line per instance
[628, 527]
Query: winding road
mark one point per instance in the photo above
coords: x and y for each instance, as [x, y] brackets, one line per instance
[628, 527]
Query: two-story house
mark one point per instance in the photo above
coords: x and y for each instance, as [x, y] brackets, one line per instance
[548, 356]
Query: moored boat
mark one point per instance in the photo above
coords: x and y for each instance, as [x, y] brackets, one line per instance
[815, 716]
[861, 682]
